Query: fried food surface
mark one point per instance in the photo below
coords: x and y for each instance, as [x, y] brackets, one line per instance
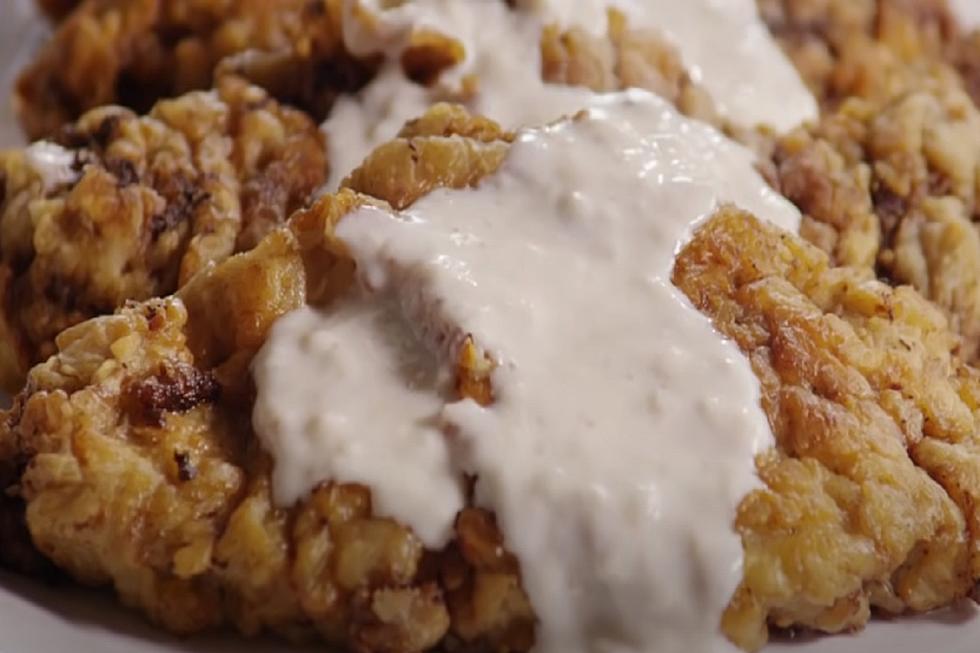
[144, 473]
[869, 495]
[625, 57]
[444, 148]
[136, 52]
[141, 418]
[872, 49]
[888, 178]
[138, 468]
[135, 206]
[139, 423]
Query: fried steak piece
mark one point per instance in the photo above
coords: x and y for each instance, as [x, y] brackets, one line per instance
[135, 52]
[141, 471]
[428, 154]
[624, 56]
[140, 468]
[125, 207]
[888, 178]
[868, 48]
[893, 187]
[869, 499]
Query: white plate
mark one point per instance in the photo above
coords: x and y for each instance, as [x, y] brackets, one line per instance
[38, 619]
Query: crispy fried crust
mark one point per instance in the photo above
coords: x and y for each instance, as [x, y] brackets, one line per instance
[444, 148]
[869, 494]
[179, 467]
[965, 55]
[142, 419]
[888, 178]
[893, 187]
[872, 49]
[624, 57]
[134, 52]
[148, 202]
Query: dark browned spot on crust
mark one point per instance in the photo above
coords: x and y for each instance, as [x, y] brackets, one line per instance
[186, 471]
[155, 319]
[890, 207]
[175, 388]
[124, 171]
[106, 131]
[58, 9]
[315, 9]
[60, 293]
[72, 137]
[183, 198]
[344, 74]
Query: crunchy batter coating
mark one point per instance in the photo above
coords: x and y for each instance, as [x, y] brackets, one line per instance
[869, 498]
[625, 57]
[888, 177]
[140, 425]
[425, 156]
[135, 206]
[964, 53]
[893, 187]
[143, 418]
[867, 48]
[136, 52]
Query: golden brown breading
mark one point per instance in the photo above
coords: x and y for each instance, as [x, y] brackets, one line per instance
[965, 55]
[869, 494]
[136, 52]
[146, 203]
[624, 57]
[888, 178]
[893, 186]
[144, 473]
[142, 419]
[445, 147]
[866, 48]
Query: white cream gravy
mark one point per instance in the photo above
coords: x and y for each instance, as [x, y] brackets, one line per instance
[724, 43]
[968, 12]
[54, 164]
[624, 427]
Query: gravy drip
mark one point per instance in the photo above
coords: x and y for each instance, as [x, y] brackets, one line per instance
[624, 427]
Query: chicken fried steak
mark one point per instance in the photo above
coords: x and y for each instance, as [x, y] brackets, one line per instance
[139, 424]
[119, 207]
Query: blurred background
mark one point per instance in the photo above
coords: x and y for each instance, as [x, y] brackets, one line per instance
[21, 31]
